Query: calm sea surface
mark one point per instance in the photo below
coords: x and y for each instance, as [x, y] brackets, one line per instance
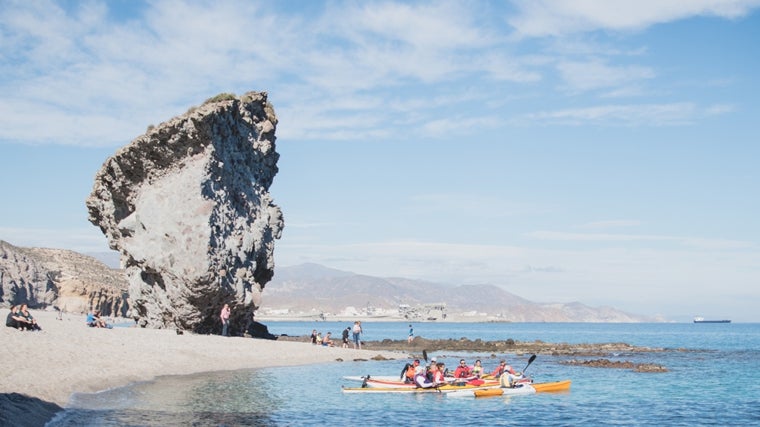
[716, 382]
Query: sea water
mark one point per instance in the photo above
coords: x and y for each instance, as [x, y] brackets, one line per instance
[713, 378]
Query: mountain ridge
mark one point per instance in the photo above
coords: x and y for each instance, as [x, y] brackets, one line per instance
[314, 290]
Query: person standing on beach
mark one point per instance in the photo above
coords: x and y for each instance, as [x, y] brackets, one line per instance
[411, 335]
[225, 316]
[357, 331]
[345, 336]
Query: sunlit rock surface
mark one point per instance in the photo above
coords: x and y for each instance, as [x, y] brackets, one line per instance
[187, 205]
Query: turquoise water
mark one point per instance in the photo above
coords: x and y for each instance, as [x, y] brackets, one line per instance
[715, 382]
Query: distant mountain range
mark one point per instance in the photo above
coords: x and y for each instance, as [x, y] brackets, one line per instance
[310, 290]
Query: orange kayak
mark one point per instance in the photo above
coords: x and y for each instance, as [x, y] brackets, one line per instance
[527, 389]
[563, 385]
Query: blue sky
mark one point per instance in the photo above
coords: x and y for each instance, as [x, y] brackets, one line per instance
[602, 152]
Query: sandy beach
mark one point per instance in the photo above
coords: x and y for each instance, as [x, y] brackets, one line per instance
[43, 369]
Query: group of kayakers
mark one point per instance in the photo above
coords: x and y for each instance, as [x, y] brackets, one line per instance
[436, 373]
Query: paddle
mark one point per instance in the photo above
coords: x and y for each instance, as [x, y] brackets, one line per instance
[532, 358]
[424, 355]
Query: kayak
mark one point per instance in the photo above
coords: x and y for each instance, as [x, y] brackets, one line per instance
[555, 386]
[448, 388]
[381, 381]
[495, 391]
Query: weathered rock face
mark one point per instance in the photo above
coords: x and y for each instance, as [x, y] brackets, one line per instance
[188, 207]
[73, 282]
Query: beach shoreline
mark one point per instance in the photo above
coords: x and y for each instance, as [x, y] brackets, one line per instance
[43, 369]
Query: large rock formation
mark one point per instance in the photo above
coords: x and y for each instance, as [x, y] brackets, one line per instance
[73, 282]
[187, 205]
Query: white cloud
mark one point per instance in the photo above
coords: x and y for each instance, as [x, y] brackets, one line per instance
[538, 18]
[596, 74]
[680, 113]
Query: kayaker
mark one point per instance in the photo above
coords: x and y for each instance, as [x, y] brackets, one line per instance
[410, 369]
[422, 378]
[503, 368]
[477, 369]
[438, 377]
[433, 361]
[462, 371]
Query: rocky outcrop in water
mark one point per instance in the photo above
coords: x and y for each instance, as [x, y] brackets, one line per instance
[606, 363]
[188, 207]
[70, 281]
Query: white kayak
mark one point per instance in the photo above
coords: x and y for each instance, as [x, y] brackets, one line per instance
[385, 381]
[496, 391]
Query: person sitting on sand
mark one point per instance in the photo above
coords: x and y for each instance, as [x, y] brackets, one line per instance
[31, 323]
[314, 336]
[95, 321]
[101, 321]
[462, 371]
[90, 320]
[14, 320]
[326, 341]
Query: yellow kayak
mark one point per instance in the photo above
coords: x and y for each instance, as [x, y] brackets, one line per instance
[555, 386]
[441, 389]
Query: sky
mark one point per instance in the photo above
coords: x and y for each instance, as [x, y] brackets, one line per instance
[600, 152]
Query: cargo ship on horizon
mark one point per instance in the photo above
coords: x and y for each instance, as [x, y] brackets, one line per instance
[703, 320]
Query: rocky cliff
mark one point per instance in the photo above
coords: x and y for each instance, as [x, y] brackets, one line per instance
[74, 283]
[188, 207]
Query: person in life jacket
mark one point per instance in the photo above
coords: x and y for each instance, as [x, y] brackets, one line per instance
[502, 368]
[506, 375]
[438, 374]
[423, 378]
[477, 369]
[410, 369]
[462, 371]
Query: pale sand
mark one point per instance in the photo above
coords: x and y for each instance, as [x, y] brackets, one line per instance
[68, 356]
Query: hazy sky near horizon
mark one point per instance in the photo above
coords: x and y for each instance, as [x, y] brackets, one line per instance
[593, 151]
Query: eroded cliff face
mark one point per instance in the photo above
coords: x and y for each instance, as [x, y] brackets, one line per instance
[74, 283]
[187, 205]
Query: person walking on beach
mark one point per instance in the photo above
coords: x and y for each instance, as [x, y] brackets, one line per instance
[225, 316]
[411, 335]
[357, 331]
[345, 336]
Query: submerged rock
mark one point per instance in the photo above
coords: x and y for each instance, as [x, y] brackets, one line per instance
[187, 205]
